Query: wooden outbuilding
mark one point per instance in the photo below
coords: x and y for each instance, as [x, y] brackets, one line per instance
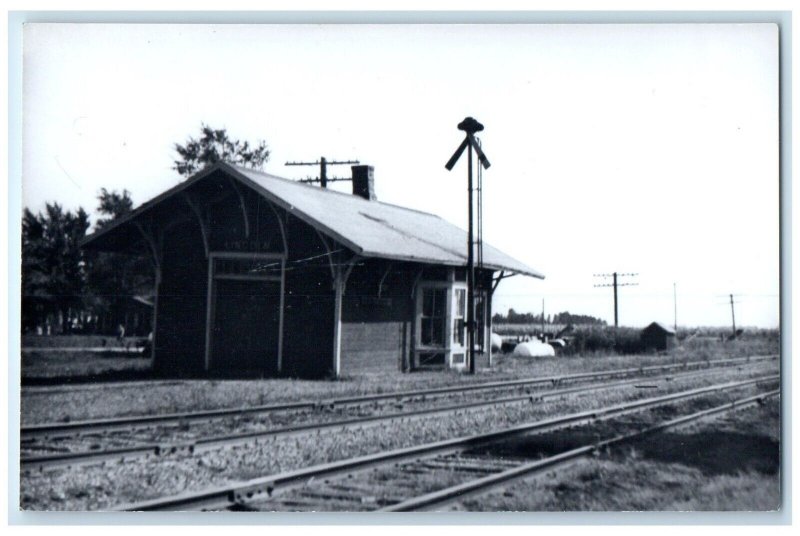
[265, 276]
[657, 336]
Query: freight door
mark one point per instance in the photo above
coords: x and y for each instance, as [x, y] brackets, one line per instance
[246, 316]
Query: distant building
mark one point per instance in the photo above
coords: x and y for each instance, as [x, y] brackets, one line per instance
[657, 336]
[262, 274]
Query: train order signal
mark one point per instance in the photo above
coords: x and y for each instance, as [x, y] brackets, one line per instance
[470, 126]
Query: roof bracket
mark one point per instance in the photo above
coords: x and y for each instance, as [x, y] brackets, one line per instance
[242, 204]
[416, 281]
[281, 227]
[151, 242]
[346, 275]
[328, 252]
[200, 219]
[496, 280]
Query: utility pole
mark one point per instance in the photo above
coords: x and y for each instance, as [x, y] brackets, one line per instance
[470, 126]
[733, 316]
[543, 337]
[323, 163]
[615, 283]
[675, 304]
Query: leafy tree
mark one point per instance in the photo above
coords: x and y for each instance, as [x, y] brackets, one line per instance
[53, 267]
[214, 145]
[113, 205]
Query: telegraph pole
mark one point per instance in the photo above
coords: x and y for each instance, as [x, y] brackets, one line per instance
[733, 316]
[675, 304]
[323, 164]
[615, 283]
[543, 337]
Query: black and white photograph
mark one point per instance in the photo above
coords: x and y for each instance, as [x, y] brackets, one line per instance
[420, 267]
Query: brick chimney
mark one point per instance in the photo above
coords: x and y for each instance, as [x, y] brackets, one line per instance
[364, 182]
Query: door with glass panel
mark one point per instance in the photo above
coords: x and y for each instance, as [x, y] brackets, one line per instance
[458, 331]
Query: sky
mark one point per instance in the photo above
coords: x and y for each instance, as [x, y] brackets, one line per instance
[647, 149]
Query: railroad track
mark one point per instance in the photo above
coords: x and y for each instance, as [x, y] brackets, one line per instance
[145, 422]
[495, 477]
[199, 445]
[315, 480]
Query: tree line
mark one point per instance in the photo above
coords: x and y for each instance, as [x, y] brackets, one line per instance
[67, 289]
[566, 317]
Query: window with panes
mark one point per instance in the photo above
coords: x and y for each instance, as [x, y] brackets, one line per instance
[434, 316]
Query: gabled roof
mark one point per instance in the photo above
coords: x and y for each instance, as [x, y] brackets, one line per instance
[369, 228]
[660, 326]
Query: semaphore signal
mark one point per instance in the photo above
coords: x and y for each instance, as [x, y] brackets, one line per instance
[470, 126]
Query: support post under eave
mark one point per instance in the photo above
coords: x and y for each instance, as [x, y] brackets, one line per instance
[209, 313]
[155, 250]
[338, 289]
[341, 273]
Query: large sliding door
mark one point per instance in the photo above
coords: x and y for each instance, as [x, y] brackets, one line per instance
[245, 317]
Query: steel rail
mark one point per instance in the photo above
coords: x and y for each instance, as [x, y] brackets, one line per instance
[57, 430]
[477, 486]
[73, 459]
[261, 488]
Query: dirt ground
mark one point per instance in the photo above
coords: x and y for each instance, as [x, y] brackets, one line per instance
[729, 463]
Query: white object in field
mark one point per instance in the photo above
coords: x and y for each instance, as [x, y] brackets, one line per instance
[557, 343]
[534, 348]
[497, 342]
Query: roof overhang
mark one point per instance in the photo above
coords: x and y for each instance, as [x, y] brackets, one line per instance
[128, 224]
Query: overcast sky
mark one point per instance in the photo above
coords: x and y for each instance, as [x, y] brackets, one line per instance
[641, 148]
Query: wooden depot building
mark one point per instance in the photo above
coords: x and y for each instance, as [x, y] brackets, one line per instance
[259, 275]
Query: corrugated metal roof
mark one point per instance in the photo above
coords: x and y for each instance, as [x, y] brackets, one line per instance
[369, 228]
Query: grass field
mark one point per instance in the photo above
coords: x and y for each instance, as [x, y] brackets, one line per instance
[135, 391]
[49, 367]
[77, 341]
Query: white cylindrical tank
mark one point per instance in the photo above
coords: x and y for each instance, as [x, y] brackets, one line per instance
[497, 342]
[534, 348]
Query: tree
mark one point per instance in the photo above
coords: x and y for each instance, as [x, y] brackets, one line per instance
[53, 267]
[114, 205]
[214, 145]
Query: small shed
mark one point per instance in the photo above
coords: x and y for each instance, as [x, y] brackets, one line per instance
[657, 336]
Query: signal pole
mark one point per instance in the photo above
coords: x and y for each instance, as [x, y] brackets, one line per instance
[470, 126]
[323, 163]
[616, 284]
